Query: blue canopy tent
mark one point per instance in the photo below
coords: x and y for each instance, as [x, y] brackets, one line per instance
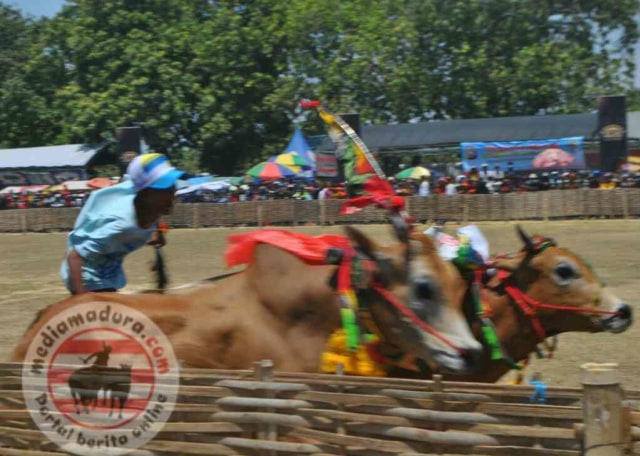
[298, 144]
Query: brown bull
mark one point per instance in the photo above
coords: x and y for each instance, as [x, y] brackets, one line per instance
[284, 309]
[543, 290]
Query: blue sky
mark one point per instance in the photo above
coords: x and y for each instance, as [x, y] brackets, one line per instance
[51, 7]
[36, 8]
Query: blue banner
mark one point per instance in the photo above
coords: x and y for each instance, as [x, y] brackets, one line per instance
[550, 154]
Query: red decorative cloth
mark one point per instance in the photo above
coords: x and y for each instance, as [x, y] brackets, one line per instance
[311, 249]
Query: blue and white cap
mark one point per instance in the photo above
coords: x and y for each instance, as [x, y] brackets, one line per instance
[153, 171]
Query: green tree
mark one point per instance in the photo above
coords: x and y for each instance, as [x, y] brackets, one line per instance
[633, 99]
[195, 73]
[216, 84]
[24, 95]
[14, 40]
[395, 61]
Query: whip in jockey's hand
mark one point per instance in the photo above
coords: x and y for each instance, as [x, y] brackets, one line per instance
[157, 239]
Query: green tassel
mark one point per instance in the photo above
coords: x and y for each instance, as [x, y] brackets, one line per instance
[492, 340]
[351, 329]
[464, 253]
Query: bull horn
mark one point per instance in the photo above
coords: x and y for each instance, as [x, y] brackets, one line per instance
[526, 239]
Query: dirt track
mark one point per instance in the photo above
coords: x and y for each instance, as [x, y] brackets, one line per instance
[30, 263]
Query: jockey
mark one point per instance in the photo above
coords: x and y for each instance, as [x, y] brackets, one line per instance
[101, 356]
[117, 220]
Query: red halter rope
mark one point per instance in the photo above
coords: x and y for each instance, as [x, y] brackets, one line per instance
[414, 318]
[345, 281]
[530, 306]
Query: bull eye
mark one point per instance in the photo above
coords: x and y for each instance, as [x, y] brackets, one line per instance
[565, 273]
[424, 290]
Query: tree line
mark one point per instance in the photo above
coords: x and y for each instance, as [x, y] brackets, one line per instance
[216, 83]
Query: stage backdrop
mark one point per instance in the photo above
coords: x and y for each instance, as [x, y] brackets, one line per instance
[550, 154]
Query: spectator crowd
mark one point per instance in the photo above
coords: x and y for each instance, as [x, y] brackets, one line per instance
[30, 199]
[474, 181]
[471, 182]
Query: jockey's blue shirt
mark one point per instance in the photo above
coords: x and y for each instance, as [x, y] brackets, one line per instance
[105, 231]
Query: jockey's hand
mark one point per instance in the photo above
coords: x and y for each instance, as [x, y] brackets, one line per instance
[157, 240]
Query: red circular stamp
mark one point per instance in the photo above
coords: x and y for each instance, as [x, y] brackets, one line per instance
[100, 378]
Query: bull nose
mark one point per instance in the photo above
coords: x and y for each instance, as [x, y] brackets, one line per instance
[472, 358]
[624, 312]
[620, 321]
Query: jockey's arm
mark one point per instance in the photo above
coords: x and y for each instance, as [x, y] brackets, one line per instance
[75, 263]
[93, 355]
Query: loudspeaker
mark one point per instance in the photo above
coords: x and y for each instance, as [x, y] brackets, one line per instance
[129, 145]
[612, 130]
[353, 120]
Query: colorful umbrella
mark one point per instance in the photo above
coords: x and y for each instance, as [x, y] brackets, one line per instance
[100, 182]
[270, 171]
[290, 160]
[415, 172]
[552, 158]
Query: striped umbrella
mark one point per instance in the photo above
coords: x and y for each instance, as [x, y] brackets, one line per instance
[290, 160]
[415, 172]
[270, 171]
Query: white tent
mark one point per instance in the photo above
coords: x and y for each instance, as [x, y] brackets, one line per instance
[210, 186]
[75, 185]
[28, 189]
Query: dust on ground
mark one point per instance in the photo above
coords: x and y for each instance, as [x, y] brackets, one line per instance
[30, 263]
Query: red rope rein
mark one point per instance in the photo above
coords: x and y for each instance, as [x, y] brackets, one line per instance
[530, 306]
[415, 319]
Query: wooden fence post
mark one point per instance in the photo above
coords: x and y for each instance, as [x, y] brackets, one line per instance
[341, 428]
[23, 220]
[545, 207]
[195, 215]
[323, 212]
[259, 216]
[294, 218]
[625, 204]
[438, 404]
[602, 410]
[264, 373]
[465, 209]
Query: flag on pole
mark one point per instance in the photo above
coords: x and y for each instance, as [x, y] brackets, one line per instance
[366, 182]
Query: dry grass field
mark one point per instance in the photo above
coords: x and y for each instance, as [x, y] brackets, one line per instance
[29, 280]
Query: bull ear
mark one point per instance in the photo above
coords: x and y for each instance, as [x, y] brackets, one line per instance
[528, 243]
[505, 263]
[400, 227]
[361, 241]
[424, 243]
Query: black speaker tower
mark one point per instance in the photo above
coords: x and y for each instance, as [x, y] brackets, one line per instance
[612, 131]
[129, 145]
[353, 120]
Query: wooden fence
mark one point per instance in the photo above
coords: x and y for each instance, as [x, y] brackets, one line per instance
[262, 412]
[555, 204]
